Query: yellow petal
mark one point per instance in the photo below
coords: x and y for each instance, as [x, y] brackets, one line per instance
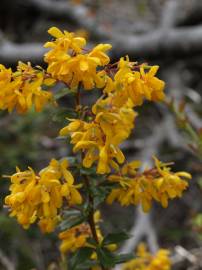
[84, 65]
[55, 32]
[45, 196]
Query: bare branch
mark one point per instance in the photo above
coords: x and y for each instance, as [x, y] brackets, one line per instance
[12, 53]
[175, 42]
[169, 16]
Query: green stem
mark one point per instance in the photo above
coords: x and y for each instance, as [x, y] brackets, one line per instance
[91, 220]
[192, 132]
[78, 96]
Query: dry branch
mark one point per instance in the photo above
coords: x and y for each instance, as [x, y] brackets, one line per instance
[12, 53]
[173, 42]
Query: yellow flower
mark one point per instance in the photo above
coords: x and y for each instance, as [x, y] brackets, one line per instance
[158, 183]
[5, 79]
[168, 184]
[81, 69]
[47, 225]
[160, 261]
[133, 191]
[99, 53]
[74, 238]
[41, 197]
[64, 41]
[153, 87]
[146, 261]
[137, 85]
[23, 88]
[131, 168]
[69, 63]
[18, 200]
[100, 139]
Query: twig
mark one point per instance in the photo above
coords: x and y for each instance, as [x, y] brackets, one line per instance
[186, 254]
[91, 220]
[6, 262]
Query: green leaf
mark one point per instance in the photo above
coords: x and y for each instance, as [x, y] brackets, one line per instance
[114, 238]
[198, 220]
[71, 160]
[70, 213]
[92, 241]
[63, 92]
[88, 264]
[71, 222]
[100, 193]
[80, 257]
[105, 257]
[100, 196]
[88, 171]
[121, 258]
[199, 181]
[63, 113]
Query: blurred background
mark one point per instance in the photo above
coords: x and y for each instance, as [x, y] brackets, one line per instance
[163, 32]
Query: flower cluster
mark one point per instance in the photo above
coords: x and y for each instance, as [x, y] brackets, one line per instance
[112, 116]
[146, 261]
[21, 89]
[137, 85]
[158, 184]
[74, 238]
[77, 237]
[100, 138]
[40, 197]
[69, 62]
